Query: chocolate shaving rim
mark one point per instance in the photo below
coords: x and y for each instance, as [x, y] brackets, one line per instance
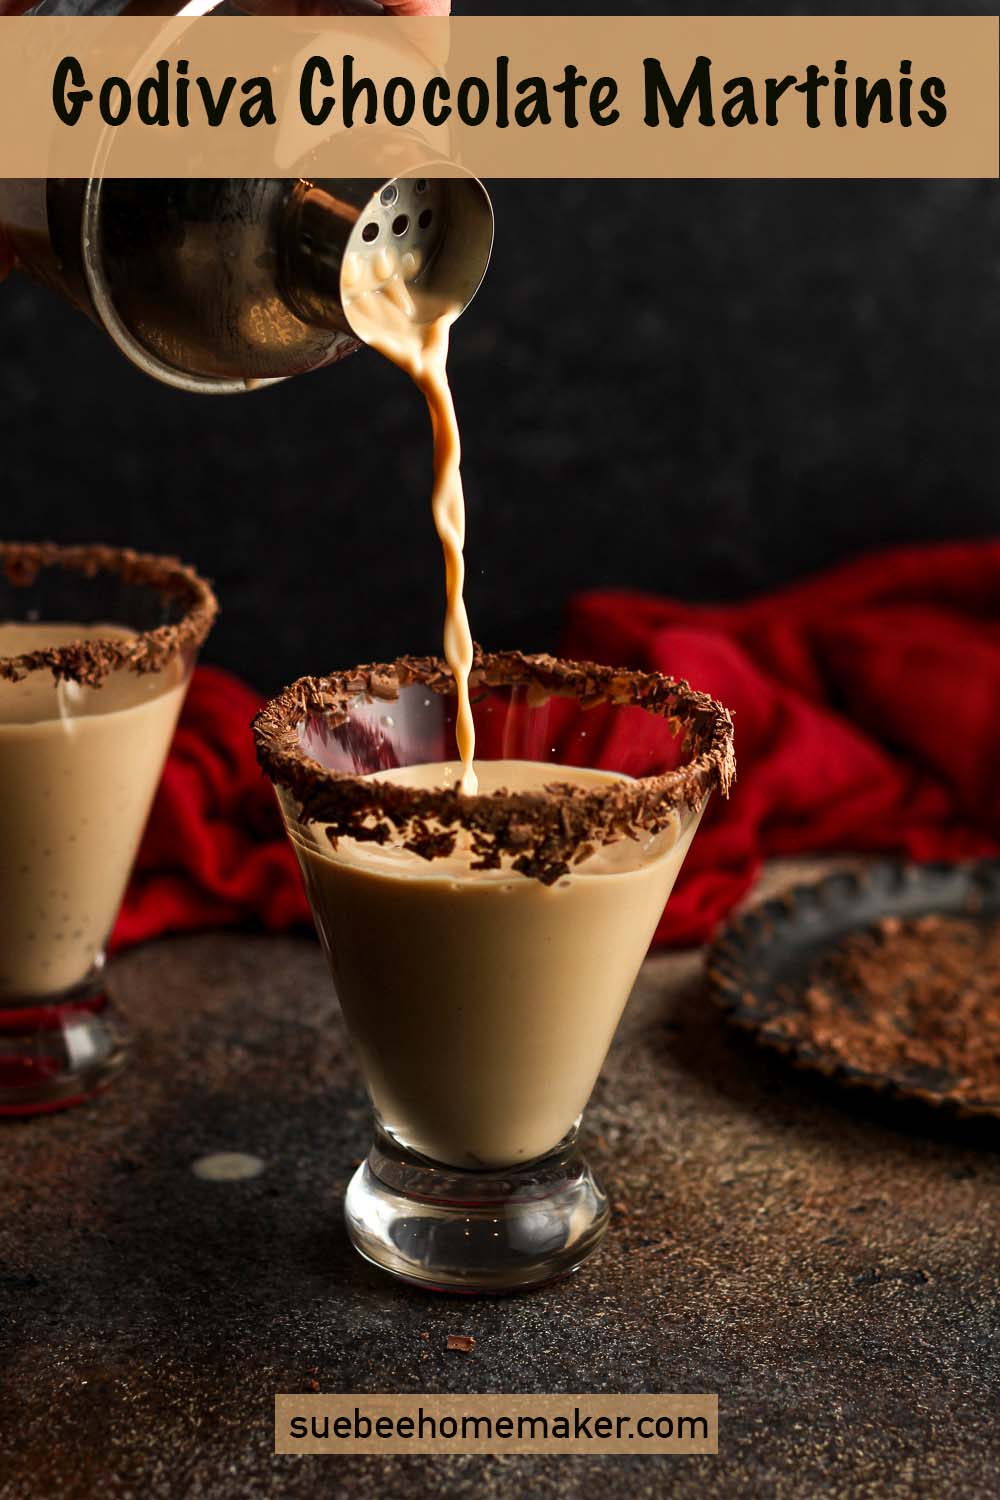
[91, 661]
[543, 832]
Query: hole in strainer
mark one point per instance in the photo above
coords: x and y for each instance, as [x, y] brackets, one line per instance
[401, 224]
[369, 233]
[426, 218]
[388, 195]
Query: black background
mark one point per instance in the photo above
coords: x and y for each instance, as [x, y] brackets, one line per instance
[698, 388]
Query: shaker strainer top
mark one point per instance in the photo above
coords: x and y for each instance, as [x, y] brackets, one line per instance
[445, 223]
[408, 213]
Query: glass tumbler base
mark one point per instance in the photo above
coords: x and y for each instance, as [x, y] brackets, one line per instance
[58, 1052]
[450, 1230]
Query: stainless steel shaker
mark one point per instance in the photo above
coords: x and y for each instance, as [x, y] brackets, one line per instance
[223, 285]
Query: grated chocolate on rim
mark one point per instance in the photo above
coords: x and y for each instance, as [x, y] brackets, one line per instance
[91, 661]
[543, 832]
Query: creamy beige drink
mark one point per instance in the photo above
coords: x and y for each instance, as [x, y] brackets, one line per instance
[78, 770]
[482, 1003]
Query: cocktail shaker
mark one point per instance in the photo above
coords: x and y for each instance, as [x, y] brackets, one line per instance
[224, 285]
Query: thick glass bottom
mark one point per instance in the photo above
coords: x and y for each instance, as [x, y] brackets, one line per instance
[58, 1051]
[449, 1230]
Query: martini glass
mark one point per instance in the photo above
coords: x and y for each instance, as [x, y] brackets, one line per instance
[483, 947]
[97, 646]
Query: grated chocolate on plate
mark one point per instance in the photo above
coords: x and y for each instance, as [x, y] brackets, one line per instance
[916, 996]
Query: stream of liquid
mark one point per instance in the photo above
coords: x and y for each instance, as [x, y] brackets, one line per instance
[385, 311]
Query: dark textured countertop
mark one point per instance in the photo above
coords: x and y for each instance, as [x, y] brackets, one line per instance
[829, 1266]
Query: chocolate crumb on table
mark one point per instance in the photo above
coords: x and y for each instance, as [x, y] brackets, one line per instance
[461, 1342]
[918, 995]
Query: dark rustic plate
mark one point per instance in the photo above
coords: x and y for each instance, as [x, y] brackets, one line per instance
[758, 966]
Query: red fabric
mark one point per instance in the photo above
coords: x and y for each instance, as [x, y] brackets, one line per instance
[214, 853]
[866, 705]
[867, 710]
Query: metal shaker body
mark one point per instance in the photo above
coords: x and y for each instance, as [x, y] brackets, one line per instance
[224, 285]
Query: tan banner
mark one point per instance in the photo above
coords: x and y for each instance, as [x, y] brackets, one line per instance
[526, 96]
[496, 1424]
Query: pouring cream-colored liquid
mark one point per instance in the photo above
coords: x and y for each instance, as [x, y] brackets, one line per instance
[482, 1003]
[384, 310]
[78, 768]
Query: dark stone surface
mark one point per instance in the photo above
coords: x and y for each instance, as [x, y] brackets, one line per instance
[828, 1266]
[702, 388]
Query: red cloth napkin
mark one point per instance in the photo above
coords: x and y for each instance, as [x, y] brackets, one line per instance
[867, 709]
[214, 853]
